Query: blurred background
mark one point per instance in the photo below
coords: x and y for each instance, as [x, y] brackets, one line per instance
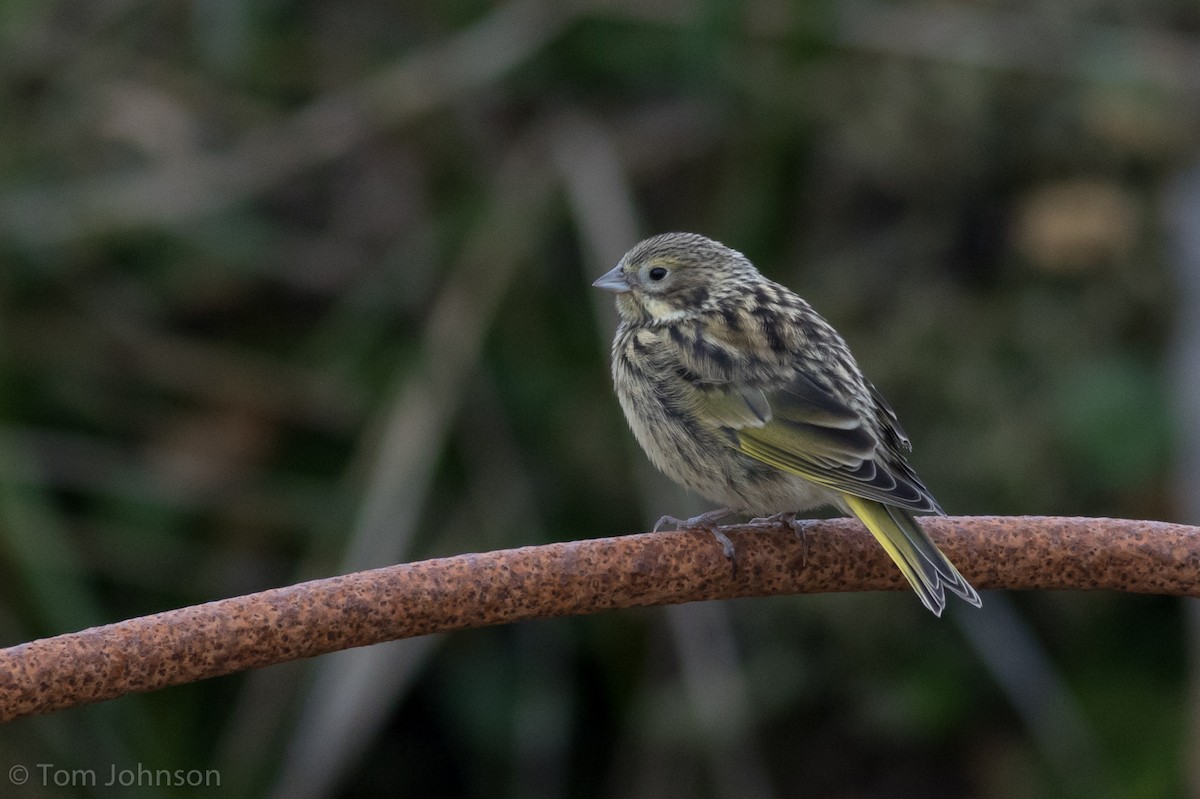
[294, 289]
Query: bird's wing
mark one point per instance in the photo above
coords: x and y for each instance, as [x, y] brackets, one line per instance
[892, 425]
[803, 428]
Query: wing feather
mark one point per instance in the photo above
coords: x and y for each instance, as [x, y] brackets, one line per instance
[806, 430]
[789, 419]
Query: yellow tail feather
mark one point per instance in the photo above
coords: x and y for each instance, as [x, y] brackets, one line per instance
[927, 570]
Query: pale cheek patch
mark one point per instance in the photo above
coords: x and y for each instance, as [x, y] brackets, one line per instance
[662, 311]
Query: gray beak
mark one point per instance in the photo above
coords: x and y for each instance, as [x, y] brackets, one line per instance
[613, 280]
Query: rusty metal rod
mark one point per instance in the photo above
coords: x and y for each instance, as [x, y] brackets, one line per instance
[573, 578]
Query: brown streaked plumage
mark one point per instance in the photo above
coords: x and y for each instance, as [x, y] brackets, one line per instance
[738, 390]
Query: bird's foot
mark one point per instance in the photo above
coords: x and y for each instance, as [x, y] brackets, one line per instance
[705, 521]
[788, 517]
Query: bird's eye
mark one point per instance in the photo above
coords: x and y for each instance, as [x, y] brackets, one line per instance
[657, 273]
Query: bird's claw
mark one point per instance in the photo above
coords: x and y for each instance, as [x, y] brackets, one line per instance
[726, 547]
[784, 517]
[705, 521]
[680, 524]
[788, 518]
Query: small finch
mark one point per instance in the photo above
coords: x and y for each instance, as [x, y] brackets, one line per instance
[738, 390]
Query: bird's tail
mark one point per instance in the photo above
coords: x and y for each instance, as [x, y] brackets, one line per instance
[927, 570]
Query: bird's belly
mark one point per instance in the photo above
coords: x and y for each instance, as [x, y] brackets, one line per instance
[702, 459]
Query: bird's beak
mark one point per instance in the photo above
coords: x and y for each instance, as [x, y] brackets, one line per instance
[613, 280]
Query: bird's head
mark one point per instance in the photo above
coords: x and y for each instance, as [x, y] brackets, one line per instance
[676, 276]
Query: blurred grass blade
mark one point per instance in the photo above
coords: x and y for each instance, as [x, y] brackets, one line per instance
[352, 693]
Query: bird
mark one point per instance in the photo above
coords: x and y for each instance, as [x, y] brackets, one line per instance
[738, 390]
